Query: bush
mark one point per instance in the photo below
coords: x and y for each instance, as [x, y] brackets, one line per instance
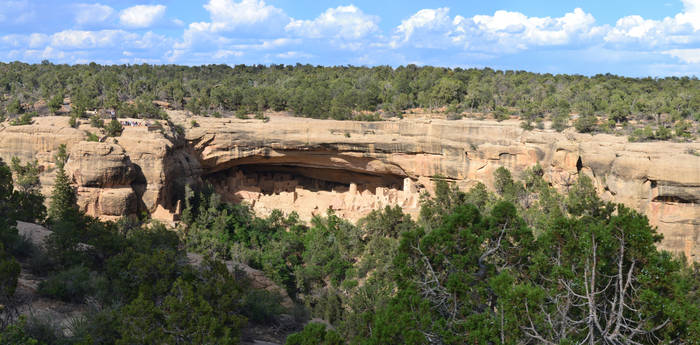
[73, 121]
[92, 136]
[560, 122]
[15, 334]
[114, 128]
[315, 334]
[241, 114]
[24, 119]
[586, 124]
[9, 273]
[97, 122]
[262, 306]
[44, 330]
[500, 114]
[72, 285]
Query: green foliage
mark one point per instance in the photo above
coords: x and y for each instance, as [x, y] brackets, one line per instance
[342, 92]
[24, 119]
[586, 124]
[73, 121]
[505, 185]
[114, 128]
[560, 122]
[15, 334]
[315, 334]
[9, 273]
[91, 136]
[97, 121]
[26, 176]
[262, 306]
[63, 204]
[501, 113]
[389, 222]
[14, 107]
[55, 103]
[71, 285]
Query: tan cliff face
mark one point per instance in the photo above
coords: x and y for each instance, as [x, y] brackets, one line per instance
[309, 166]
[140, 171]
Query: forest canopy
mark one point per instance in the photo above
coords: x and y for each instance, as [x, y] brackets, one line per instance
[668, 105]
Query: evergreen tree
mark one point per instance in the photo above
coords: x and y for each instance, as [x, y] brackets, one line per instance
[63, 205]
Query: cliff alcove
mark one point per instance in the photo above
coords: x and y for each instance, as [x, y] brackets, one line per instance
[312, 190]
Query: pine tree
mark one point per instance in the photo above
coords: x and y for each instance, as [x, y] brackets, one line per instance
[63, 205]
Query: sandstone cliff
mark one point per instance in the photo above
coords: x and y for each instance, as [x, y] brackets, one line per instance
[352, 167]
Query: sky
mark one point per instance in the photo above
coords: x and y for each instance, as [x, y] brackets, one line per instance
[635, 38]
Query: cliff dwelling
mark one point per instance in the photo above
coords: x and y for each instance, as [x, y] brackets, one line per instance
[310, 190]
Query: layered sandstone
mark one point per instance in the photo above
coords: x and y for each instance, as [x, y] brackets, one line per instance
[660, 179]
[143, 170]
[309, 166]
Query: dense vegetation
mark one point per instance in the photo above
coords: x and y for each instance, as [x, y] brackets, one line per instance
[659, 108]
[524, 265]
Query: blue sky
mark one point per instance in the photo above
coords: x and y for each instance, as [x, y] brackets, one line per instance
[634, 38]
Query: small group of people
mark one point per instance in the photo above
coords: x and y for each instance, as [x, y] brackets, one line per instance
[132, 123]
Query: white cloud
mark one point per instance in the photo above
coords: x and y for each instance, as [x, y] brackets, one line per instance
[346, 22]
[514, 29]
[683, 28]
[38, 40]
[689, 56]
[293, 55]
[431, 26]
[82, 39]
[503, 31]
[141, 16]
[92, 13]
[228, 15]
[224, 54]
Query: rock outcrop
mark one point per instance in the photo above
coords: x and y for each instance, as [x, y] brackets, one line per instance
[306, 165]
[143, 170]
[660, 179]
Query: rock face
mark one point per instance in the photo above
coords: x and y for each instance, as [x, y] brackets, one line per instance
[308, 166]
[143, 170]
[660, 179]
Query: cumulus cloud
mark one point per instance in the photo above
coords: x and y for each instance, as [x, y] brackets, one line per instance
[503, 31]
[690, 56]
[141, 16]
[346, 22]
[92, 13]
[683, 28]
[256, 31]
[425, 28]
[514, 28]
[228, 15]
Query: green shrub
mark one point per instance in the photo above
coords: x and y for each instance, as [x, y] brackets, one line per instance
[91, 136]
[71, 285]
[114, 128]
[9, 273]
[315, 334]
[560, 122]
[15, 334]
[262, 306]
[586, 124]
[500, 114]
[241, 114]
[97, 121]
[73, 121]
[24, 119]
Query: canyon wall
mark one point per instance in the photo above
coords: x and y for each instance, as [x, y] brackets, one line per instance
[310, 165]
